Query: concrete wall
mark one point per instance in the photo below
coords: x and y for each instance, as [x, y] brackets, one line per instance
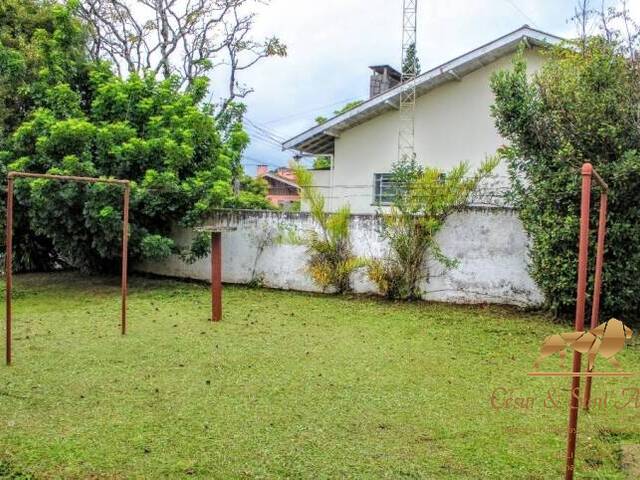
[453, 123]
[489, 243]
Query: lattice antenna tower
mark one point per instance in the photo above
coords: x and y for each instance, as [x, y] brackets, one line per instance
[407, 106]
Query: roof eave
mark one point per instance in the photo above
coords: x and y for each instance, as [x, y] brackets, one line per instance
[316, 141]
[280, 179]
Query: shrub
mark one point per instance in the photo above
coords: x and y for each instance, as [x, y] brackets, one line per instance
[425, 197]
[581, 106]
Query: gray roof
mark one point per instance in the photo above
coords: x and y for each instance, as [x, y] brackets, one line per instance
[319, 140]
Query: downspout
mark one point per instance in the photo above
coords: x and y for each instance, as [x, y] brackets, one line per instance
[331, 182]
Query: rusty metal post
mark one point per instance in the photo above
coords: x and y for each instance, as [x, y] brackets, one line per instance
[583, 253]
[597, 286]
[125, 257]
[216, 277]
[8, 268]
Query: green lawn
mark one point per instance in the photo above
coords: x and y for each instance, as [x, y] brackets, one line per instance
[289, 385]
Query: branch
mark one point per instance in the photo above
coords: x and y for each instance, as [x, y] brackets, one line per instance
[190, 37]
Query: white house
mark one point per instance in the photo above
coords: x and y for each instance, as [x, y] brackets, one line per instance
[452, 122]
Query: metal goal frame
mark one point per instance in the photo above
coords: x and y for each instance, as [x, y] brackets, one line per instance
[11, 177]
[589, 176]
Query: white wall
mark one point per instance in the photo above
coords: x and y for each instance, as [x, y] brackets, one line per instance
[321, 178]
[322, 182]
[489, 243]
[453, 124]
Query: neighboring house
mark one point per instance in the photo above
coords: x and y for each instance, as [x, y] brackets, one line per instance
[283, 188]
[452, 123]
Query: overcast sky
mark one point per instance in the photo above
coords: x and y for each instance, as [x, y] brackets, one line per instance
[332, 42]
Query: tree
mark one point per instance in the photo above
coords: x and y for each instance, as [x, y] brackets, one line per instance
[323, 162]
[171, 37]
[424, 198]
[615, 23]
[140, 129]
[75, 116]
[581, 106]
[41, 46]
[411, 64]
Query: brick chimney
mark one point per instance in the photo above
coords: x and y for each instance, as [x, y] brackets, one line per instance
[262, 170]
[383, 78]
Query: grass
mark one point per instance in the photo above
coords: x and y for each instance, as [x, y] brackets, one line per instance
[289, 385]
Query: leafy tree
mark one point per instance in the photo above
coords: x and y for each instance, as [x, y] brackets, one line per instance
[581, 106]
[41, 44]
[140, 129]
[411, 64]
[424, 198]
[323, 162]
[83, 120]
[331, 259]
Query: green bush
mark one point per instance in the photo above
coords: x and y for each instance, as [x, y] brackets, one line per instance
[582, 106]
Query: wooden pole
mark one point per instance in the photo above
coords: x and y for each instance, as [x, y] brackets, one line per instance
[216, 277]
[8, 268]
[583, 252]
[125, 255]
[597, 285]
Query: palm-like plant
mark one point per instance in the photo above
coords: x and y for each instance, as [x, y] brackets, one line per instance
[331, 259]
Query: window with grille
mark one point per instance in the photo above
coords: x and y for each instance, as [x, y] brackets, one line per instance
[384, 188]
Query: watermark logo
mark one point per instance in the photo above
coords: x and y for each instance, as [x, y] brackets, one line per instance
[606, 341]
